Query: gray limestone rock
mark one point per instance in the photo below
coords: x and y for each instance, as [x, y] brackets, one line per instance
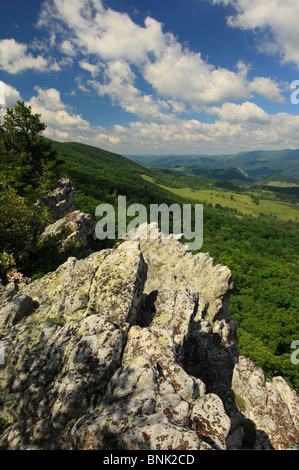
[271, 405]
[60, 201]
[134, 348]
[79, 227]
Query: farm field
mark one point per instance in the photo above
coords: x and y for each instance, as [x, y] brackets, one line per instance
[243, 203]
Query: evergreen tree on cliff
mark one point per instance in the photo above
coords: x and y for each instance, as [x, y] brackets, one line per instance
[27, 164]
[27, 160]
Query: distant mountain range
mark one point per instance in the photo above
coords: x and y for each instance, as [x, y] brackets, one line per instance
[244, 166]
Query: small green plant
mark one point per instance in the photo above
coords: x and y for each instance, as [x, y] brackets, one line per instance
[4, 423]
[240, 402]
[6, 263]
[159, 264]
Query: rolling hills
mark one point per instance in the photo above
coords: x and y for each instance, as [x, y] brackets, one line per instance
[244, 166]
[107, 174]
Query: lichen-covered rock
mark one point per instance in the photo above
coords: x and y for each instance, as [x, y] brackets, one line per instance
[78, 226]
[149, 400]
[11, 312]
[60, 358]
[211, 343]
[60, 201]
[134, 348]
[171, 265]
[210, 420]
[271, 405]
[118, 284]
[117, 432]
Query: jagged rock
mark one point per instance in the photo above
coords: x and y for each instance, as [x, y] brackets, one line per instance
[60, 201]
[211, 344]
[79, 226]
[134, 348]
[271, 405]
[61, 358]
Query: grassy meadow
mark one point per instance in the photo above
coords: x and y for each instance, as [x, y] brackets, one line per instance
[256, 203]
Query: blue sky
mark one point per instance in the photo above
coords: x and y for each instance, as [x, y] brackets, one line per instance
[156, 76]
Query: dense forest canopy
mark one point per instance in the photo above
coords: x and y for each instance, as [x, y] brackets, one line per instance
[261, 252]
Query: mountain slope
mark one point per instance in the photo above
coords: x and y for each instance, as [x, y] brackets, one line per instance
[279, 180]
[256, 164]
[103, 175]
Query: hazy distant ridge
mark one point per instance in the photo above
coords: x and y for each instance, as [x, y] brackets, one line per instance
[256, 164]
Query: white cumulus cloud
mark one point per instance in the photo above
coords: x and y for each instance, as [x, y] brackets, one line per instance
[245, 112]
[276, 20]
[15, 58]
[174, 72]
[62, 123]
[149, 74]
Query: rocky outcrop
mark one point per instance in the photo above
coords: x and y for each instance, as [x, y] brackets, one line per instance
[60, 201]
[134, 348]
[79, 227]
[271, 405]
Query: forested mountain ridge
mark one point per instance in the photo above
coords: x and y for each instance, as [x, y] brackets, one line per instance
[106, 175]
[253, 165]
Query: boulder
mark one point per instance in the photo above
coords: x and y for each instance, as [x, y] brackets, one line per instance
[11, 312]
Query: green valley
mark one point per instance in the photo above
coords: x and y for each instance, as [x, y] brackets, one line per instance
[261, 250]
[244, 166]
[256, 204]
